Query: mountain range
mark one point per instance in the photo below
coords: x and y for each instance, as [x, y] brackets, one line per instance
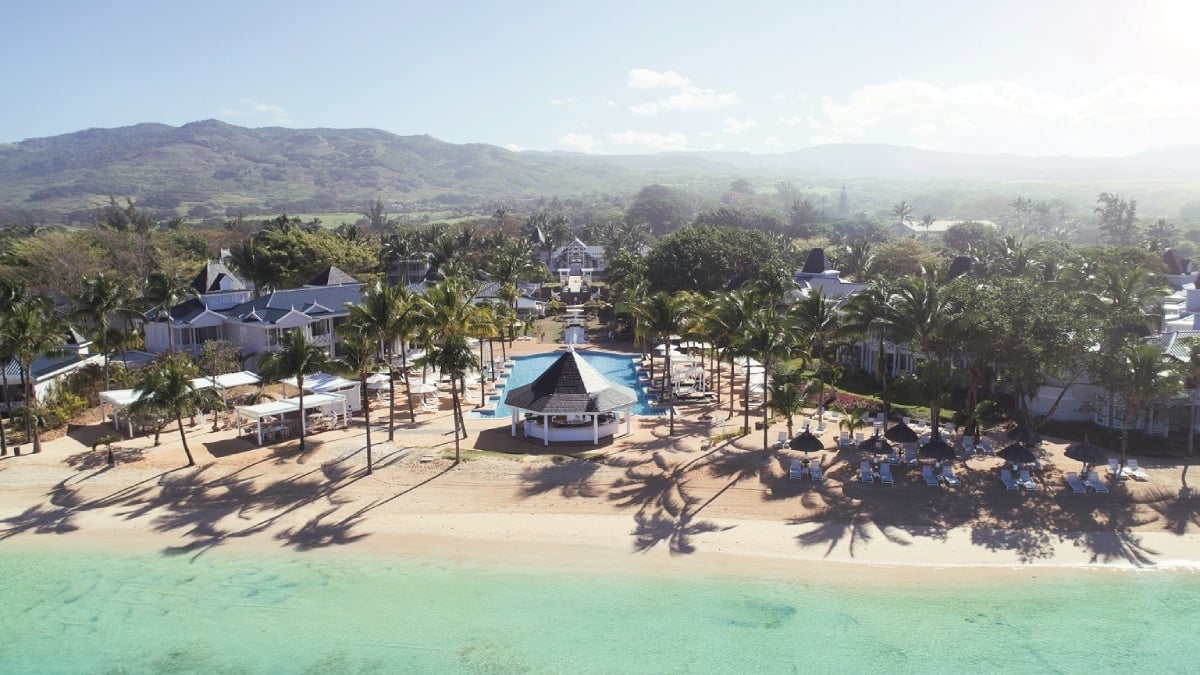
[222, 166]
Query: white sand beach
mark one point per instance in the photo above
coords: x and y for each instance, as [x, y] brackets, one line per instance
[650, 500]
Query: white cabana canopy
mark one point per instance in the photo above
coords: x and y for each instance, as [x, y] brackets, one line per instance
[119, 398]
[255, 413]
[320, 382]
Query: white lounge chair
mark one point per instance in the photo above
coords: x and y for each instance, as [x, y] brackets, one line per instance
[833, 416]
[911, 457]
[1026, 481]
[948, 476]
[968, 443]
[987, 447]
[1097, 484]
[893, 458]
[1114, 466]
[865, 474]
[885, 474]
[815, 472]
[843, 438]
[948, 430]
[782, 440]
[1133, 471]
[1077, 485]
[1007, 479]
[859, 438]
[930, 479]
[797, 470]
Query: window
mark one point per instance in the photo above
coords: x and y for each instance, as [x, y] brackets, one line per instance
[319, 328]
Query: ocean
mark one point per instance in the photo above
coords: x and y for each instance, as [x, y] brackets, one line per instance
[230, 612]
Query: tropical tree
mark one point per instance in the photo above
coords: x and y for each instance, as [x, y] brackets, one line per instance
[30, 330]
[454, 358]
[771, 343]
[165, 289]
[663, 315]
[103, 296]
[296, 358]
[902, 211]
[788, 393]
[165, 388]
[869, 316]
[1191, 371]
[1141, 377]
[360, 358]
[380, 315]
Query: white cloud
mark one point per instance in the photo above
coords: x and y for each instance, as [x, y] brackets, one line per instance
[736, 127]
[688, 97]
[687, 100]
[514, 147]
[564, 101]
[644, 78]
[579, 142]
[904, 110]
[257, 111]
[773, 143]
[791, 121]
[609, 102]
[648, 141]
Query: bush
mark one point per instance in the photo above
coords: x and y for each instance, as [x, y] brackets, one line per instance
[62, 405]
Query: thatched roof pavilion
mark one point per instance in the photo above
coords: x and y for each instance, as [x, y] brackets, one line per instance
[569, 398]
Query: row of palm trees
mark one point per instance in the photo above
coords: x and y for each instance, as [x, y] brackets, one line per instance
[965, 335]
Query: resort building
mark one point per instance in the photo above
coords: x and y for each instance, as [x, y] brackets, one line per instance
[46, 371]
[915, 228]
[579, 258]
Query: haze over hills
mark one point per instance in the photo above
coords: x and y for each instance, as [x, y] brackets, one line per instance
[223, 166]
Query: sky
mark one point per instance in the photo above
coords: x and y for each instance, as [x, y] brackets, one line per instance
[1030, 77]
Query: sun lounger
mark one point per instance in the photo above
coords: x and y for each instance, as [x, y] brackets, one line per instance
[987, 447]
[911, 457]
[930, 479]
[833, 416]
[948, 430]
[782, 440]
[1007, 479]
[1133, 471]
[859, 438]
[1097, 484]
[1077, 485]
[1026, 481]
[885, 475]
[968, 443]
[815, 471]
[948, 476]
[844, 438]
[797, 470]
[1114, 465]
[893, 458]
[923, 440]
[865, 474]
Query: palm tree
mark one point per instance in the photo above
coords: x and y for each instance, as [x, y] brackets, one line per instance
[788, 393]
[379, 314]
[729, 314]
[297, 357]
[251, 259]
[770, 341]
[360, 358]
[663, 315]
[903, 212]
[1141, 377]
[102, 296]
[818, 318]
[166, 388]
[868, 313]
[31, 330]
[454, 357]
[164, 290]
[1191, 369]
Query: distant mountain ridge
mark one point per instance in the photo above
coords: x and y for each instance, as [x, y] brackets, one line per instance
[221, 165]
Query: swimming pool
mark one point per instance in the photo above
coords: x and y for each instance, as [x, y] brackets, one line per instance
[618, 368]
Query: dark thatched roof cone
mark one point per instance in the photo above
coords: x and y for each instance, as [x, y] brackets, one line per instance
[1017, 452]
[937, 449]
[570, 385]
[806, 442]
[901, 433]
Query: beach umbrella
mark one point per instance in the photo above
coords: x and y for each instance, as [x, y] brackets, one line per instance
[901, 433]
[423, 388]
[938, 449]
[875, 445]
[806, 442]
[1087, 453]
[1023, 435]
[1018, 453]
[377, 381]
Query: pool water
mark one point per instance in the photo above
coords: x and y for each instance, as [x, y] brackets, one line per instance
[617, 368]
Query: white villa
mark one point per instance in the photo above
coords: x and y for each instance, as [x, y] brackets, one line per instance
[577, 259]
[75, 353]
[224, 310]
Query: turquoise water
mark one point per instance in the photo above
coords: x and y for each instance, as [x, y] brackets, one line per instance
[617, 368]
[231, 613]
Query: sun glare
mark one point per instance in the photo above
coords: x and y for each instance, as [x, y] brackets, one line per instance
[1180, 23]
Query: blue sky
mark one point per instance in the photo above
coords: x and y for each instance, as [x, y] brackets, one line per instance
[1034, 78]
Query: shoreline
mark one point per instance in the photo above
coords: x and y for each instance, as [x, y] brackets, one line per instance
[648, 504]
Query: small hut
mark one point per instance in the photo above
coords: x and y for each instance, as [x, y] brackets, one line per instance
[570, 402]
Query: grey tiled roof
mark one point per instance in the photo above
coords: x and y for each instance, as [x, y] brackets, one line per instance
[315, 301]
[570, 385]
[209, 279]
[41, 366]
[1176, 344]
[332, 276]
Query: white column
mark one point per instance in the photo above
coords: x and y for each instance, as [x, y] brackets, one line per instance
[628, 419]
[595, 429]
[515, 412]
[545, 430]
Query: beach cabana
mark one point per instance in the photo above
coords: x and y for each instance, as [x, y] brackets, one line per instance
[571, 402]
[325, 383]
[254, 414]
[226, 381]
[117, 402]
